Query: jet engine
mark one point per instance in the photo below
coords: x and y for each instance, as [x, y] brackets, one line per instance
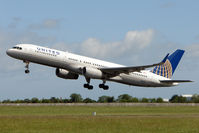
[62, 73]
[92, 72]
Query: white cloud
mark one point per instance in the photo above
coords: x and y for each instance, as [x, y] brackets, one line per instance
[14, 23]
[35, 38]
[168, 5]
[46, 24]
[139, 39]
[193, 50]
[61, 46]
[94, 47]
[133, 41]
[51, 23]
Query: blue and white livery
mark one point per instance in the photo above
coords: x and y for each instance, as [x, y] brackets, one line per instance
[70, 66]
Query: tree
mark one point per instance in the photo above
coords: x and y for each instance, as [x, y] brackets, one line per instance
[195, 98]
[135, 100]
[45, 100]
[159, 100]
[27, 100]
[174, 99]
[106, 99]
[34, 100]
[145, 100]
[19, 101]
[152, 100]
[110, 99]
[6, 101]
[54, 100]
[125, 98]
[66, 100]
[88, 100]
[103, 99]
[178, 99]
[182, 99]
[75, 98]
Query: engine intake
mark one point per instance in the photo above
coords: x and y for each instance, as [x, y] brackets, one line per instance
[62, 73]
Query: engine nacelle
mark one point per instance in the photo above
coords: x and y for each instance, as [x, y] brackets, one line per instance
[62, 73]
[92, 73]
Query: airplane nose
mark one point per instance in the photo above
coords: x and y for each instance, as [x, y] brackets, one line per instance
[8, 52]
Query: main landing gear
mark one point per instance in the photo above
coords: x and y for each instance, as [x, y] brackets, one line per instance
[90, 87]
[27, 67]
[105, 87]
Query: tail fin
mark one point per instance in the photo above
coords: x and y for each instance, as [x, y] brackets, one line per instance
[170, 65]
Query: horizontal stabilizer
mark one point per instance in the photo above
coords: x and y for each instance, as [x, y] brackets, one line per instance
[175, 81]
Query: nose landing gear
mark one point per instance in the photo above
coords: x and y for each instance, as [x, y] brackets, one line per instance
[27, 67]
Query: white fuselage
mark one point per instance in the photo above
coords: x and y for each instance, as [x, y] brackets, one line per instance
[74, 63]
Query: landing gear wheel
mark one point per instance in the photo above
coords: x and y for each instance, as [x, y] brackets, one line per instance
[101, 85]
[27, 67]
[86, 85]
[27, 71]
[90, 87]
[106, 87]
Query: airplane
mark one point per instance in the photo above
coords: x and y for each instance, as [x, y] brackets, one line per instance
[70, 66]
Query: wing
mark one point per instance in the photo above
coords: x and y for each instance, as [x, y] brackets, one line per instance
[118, 70]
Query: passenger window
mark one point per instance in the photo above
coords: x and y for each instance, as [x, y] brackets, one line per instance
[17, 48]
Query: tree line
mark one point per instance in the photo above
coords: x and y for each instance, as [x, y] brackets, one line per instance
[77, 98]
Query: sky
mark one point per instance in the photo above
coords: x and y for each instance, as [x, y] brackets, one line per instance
[130, 32]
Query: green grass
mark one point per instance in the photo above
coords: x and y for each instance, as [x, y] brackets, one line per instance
[79, 119]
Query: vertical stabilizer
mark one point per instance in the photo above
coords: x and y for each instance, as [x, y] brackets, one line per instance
[170, 65]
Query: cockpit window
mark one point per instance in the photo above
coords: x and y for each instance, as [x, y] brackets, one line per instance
[17, 48]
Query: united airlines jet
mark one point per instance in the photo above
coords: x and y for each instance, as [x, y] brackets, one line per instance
[70, 66]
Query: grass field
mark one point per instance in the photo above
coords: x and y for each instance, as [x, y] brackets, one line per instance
[79, 119]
